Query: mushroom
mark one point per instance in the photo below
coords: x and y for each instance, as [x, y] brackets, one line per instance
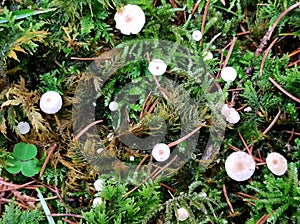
[113, 106]
[130, 19]
[157, 67]
[276, 163]
[97, 201]
[228, 74]
[98, 184]
[183, 214]
[161, 152]
[197, 35]
[23, 127]
[231, 115]
[50, 102]
[207, 55]
[239, 166]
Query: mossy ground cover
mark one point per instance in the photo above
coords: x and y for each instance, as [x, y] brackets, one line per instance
[91, 58]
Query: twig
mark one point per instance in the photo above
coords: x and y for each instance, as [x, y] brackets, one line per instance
[229, 52]
[293, 63]
[263, 219]
[168, 187]
[47, 159]
[57, 121]
[266, 55]
[294, 52]
[86, 128]
[270, 31]
[90, 59]
[68, 221]
[185, 137]
[16, 186]
[284, 91]
[292, 132]
[64, 214]
[243, 140]
[141, 162]
[140, 184]
[272, 123]
[195, 7]
[227, 199]
[154, 175]
[204, 19]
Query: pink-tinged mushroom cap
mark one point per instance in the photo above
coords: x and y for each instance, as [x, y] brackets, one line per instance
[161, 152]
[183, 214]
[130, 19]
[239, 166]
[50, 102]
[276, 163]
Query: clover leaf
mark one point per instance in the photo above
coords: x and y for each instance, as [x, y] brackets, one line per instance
[24, 151]
[23, 159]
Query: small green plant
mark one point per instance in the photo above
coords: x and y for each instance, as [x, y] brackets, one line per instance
[23, 159]
[138, 207]
[14, 215]
[277, 197]
[200, 206]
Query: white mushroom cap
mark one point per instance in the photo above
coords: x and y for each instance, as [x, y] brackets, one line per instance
[50, 102]
[207, 55]
[98, 184]
[183, 214]
[231, 115]
[276, 163]
[23, 127]
[239, 166]
[97, 201]
[197, 35]
[130, 19]
[161, 152]
[113, 106]
[228, 74]
[157, 67]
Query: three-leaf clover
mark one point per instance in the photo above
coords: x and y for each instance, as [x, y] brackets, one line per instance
[23, 159]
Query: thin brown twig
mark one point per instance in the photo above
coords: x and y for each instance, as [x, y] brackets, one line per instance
[270, 31]
[294, 52]
[229, 52]
[291, 136]
[185, 137]
[293, 63]
[227, 199]
[141, 162]
[266, 55]
[140, 184]
[243, 33]
[292, 132]
[263, 219]
[168, 187]
[47, 160]
[272, 123]
[284, 91]
[65, 214]
[204, 19]
[68, 221]
[90, 59]
[243, 140]
[154, 175]
[195, 7]
[236, 89]
[86, 128]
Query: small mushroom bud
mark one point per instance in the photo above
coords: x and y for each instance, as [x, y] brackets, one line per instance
[276, 163]
[183, 214]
